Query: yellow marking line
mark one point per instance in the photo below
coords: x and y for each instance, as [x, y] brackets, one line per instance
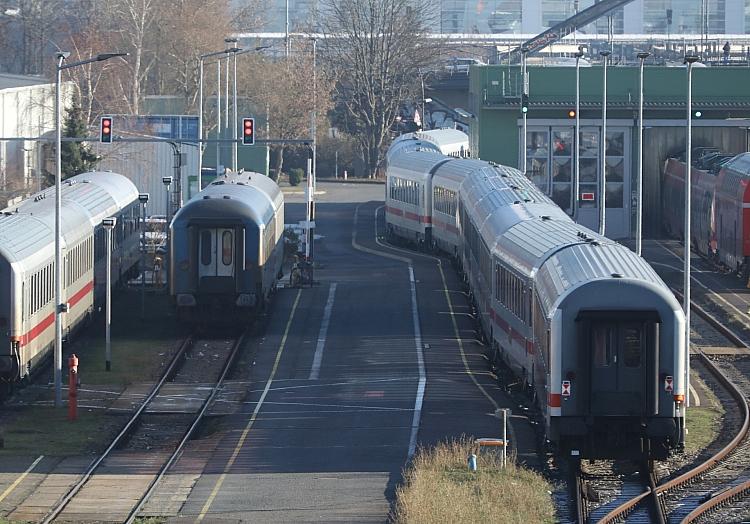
[15, 484]
[246, 431]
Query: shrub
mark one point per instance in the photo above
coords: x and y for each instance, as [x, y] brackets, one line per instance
[295, 176]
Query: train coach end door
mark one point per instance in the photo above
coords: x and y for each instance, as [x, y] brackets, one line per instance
[216, 248]
[623, 357]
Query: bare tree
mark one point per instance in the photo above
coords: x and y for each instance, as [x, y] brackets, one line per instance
[376, 49]
[284, 90]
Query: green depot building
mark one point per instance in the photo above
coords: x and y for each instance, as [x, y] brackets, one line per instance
[721, 109]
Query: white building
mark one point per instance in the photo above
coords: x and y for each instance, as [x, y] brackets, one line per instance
[27, 109]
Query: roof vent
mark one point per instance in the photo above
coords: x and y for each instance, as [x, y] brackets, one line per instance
[516, 201]
[227, 197]
[616, 275]
[545, 217]
[206, 197]
[87, 181]
[240, 183]
[218, 183]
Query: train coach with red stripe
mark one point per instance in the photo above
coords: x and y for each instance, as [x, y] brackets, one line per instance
[720, 218]
[27, 258]
[586, 325]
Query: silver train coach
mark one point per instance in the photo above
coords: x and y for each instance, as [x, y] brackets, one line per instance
[227, 249]
[589, 327]
[407, 195]
[27, 258]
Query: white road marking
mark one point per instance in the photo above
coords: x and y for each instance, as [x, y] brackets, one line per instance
[318, 357]
[420, 361]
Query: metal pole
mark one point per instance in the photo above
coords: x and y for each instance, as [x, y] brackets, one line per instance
[524, 91]
[505, 436]
[234, 114]
[314, 122]
[143, 261]
[603, 187]
[639, 210]
[201, 147]
[308, 206]
[218, 115]
[226, 97]
[577, 138]
[688, 167]
[58, 240]
[108, 306]
[336, 170]
[287, 30]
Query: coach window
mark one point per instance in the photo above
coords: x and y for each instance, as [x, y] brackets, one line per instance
[603, 341]
[615, 161]
[632, 342]
[206, 248]
[226, 248]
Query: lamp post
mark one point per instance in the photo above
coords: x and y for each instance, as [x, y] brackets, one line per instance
[167, 181]
[109, 225]
[689, 60]
[143, 199]
[61, 307]
[218, 115]
[577, 139]
[200, 112]
[639, 211]
[524, 97]
[603, 187]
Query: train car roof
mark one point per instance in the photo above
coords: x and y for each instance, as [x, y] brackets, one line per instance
[445, 141]
[244, 195]
[27, 229]
[579, 264]
[416, 166]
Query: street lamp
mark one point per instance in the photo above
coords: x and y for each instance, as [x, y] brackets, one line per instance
[603, 187]
[143, 199]
[61, 307]
[689, 60]
[577, 139]
[167, 181]
[200, 112]
[639, 213]
[524, 97]
[109, 225]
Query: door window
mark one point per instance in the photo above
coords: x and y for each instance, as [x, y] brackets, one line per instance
[206, 248]
[632, 344]
[604, 345]
[226, 248]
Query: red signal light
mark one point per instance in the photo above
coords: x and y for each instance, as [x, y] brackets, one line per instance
[248, 131]
[105, 130]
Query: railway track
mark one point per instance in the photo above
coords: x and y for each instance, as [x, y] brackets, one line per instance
[152, 439]
[715, 488]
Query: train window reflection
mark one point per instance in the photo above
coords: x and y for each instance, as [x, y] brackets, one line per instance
[206, 248]
[631, 346]
[603, 341]
[226, 248]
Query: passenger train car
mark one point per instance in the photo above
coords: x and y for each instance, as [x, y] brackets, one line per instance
[27, 255]
[720, 218]
[407, 192]
[227, 249]
[587, 325]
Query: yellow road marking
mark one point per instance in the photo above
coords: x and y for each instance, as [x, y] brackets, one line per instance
[15, 484]
[246, 431]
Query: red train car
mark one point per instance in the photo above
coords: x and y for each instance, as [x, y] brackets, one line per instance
[720, 218]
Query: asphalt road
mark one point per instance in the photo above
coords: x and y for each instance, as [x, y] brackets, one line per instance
[352, 375]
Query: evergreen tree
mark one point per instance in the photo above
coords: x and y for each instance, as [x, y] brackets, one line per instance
[76, 156]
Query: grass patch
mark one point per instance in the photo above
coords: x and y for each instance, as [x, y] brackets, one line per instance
[704, 422]
[439, 488]
[139, 346]
[45, 430]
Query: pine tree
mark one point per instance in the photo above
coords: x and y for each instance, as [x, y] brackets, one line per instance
[76, 156]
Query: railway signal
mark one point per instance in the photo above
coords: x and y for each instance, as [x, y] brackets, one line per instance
[248, 131]
[571, 113]
[697, 114]
[105, 130]
[524, 103]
